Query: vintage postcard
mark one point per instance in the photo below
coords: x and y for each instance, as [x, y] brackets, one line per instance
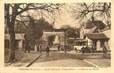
[56, 36]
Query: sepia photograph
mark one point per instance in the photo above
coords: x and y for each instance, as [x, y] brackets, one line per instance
[57, 34]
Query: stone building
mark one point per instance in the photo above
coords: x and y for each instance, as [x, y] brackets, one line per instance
[95, 34]
[97, 41]
[59, 37]
[19, 40]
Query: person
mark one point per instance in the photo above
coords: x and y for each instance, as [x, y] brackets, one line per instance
[47, 50]
[83, 50]
[76, 49]
[40, 48]
[58, 47]
[29, 46]
[26, 44]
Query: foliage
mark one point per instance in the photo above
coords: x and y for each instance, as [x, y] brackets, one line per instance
[36, 28]
[71, 32]
[13, 10]
[93, 11]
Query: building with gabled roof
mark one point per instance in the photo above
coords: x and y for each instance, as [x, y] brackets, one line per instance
[97, 36]
[97, 41]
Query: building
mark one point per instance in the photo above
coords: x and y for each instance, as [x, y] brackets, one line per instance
[58, 33]
[97, 41]
[19, 37]
[19, 40]
[108, 34]
[59, 37]
[96, 35]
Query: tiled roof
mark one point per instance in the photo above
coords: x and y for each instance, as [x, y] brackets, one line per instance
[95, 36]
[89, 25]
[99, 24]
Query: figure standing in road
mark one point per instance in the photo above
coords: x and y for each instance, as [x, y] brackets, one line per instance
[26, 44]
[40, 48]
[47, 50]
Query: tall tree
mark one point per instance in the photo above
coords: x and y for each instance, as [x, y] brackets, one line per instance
[93, 11]
[36, 28]
[14, 10]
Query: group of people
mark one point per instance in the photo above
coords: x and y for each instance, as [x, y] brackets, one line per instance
[27, 48]
[86, 49]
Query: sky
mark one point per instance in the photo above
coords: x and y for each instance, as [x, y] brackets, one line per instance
[61, 19]
[64, 17]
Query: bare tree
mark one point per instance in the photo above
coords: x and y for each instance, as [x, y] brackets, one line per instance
[93, 11]
[11, 13]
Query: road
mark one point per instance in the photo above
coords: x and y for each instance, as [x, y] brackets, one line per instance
[59, 59]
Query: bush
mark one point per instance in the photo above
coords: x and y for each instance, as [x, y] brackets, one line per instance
[85, 50]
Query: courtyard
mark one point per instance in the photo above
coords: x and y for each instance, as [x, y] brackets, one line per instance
[60, 59]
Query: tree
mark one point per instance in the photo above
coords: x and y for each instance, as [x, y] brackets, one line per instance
[98, 14]
[71, 32]
[14, 10]
[36, 28]
[94, 12]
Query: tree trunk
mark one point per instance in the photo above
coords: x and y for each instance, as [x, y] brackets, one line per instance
[10, 23]
[12, 40]
[12, 47]
[65, 41]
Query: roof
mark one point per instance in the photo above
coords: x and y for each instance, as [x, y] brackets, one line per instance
[97, 36]
[99, 24]
[89, 25]
[19, 36]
